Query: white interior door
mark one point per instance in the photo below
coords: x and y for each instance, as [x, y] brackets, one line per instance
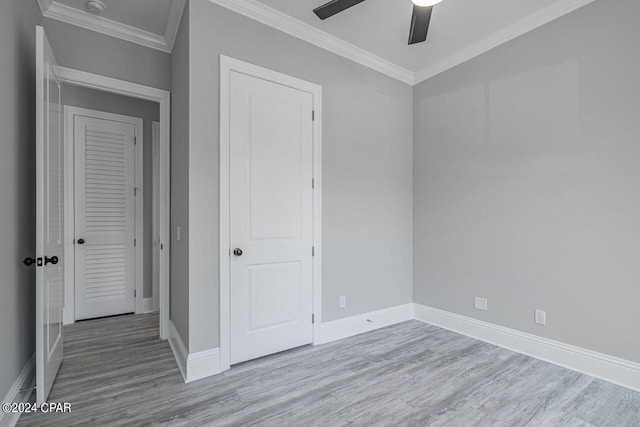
[271, 211]
[49, 219]
[104, 156]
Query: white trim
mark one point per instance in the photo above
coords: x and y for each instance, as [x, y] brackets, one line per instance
[193, 366]
[155, 187]
[69, 308]
[296, 28]
[173, 22]
[355, 325]
[481, 46]
[608, 368]
[163, 97]
[203, 364]
[301, 30]
[138, 249]
[70, 112]
[70, 15]
[147, 305]
[227, 65]
[179, 350]
[26, 380]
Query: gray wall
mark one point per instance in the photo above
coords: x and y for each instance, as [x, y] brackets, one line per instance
[149, 112]
[526, 182]
[17, 186]
[90, 51]
[367, 178]
[180, 179]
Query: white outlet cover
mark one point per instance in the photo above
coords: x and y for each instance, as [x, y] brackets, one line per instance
[541, 317]
[481, 304]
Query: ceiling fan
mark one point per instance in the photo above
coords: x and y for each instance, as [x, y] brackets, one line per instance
[419, 20]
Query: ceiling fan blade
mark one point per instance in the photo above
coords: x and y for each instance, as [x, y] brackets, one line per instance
[419, 24]
[333, 7]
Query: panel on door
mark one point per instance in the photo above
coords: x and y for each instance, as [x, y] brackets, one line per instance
[104, 217]
[49, 219]
[271, 203]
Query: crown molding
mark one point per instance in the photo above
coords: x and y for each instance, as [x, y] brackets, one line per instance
[511, 32]
[301, 30]
[61, 12]
[296, 28]
[173, 22]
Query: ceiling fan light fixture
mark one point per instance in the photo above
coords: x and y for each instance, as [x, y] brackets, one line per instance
[425, 3]
[96, 6]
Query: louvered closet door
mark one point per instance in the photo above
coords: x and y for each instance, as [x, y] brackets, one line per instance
[104, 217]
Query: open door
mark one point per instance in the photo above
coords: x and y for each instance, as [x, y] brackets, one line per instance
[49, 219]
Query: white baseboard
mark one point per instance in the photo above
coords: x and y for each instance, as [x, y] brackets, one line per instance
[25, 380]
[193, 366]
[608, 368]
[147, 305]
[179, 350]
[350, 326]
[203, 364]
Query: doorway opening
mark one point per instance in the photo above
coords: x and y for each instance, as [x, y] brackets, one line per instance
[116, 198]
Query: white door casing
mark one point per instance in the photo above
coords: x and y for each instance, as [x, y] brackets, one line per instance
[155, 186]
[273, 155]
[105, 214]
[163, 98]
[49, 219]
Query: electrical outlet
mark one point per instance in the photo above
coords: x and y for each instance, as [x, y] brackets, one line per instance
[343, 302]
[541, 317]
[178, 233]
[481, 304]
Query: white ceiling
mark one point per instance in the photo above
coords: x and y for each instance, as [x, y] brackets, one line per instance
[148, 15]
[373, 33]
[382, 26]
[150, 23]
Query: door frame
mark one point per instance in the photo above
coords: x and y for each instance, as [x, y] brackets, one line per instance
[69, 205]
[228, 65]
[163, 98]
[155, 234]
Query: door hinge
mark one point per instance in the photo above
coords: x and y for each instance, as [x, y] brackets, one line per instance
[313, 183]
[313, 115]
[161, 247]
[313, 318]
[135, 140]
[135, 293]
[135, 242]
[313, 251]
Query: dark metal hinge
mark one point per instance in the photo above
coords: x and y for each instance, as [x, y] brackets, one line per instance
[313, 251]
[135, 293]
[135, 140]
[135, 242]
[313, 115]
[313, 183]
[313, 318]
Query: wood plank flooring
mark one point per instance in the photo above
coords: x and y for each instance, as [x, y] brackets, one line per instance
[116, 372]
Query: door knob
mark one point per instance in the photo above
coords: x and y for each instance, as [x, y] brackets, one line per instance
[53, 260]
[80, 241]
[237, 252]
[28, 261]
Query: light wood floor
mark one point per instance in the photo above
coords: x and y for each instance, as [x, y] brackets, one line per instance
[116, 372]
